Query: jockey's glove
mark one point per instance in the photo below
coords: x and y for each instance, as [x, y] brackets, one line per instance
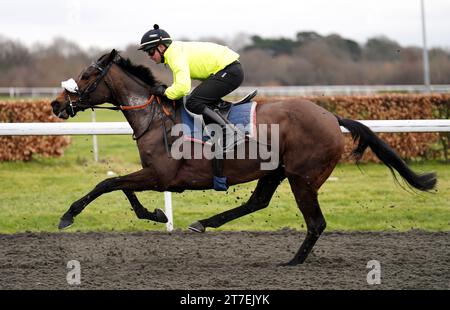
[160, 91]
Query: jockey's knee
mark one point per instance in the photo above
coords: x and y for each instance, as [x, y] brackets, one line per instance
[194, 106]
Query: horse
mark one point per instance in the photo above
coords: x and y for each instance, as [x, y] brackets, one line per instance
[310, 145]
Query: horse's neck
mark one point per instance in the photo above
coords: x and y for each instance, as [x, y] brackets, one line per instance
[128, 93]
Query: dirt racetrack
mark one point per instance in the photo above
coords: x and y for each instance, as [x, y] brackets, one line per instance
[224, 260]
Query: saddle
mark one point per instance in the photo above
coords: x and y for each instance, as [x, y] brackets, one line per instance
[240, 114]
[223, 107]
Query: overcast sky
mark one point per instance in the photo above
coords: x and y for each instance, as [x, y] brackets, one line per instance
[114, 24]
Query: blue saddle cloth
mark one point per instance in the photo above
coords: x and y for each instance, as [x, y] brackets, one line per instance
[242, 116]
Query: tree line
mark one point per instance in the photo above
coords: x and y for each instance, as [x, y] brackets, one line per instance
[307, 59]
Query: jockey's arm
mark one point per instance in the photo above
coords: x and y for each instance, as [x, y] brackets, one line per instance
[181, 77]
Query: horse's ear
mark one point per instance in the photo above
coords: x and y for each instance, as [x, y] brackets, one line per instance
[113, 54]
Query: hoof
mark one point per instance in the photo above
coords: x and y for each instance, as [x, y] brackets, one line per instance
[160, 216]
[197, 227]
[290, 263]
[66, 221]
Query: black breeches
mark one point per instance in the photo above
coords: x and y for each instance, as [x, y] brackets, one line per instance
[211, 90]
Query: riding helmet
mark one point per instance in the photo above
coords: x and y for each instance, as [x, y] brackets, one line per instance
[153, 38]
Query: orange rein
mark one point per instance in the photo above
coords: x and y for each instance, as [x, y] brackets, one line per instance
[149, 101]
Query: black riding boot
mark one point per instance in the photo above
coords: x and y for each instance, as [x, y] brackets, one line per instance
[219, 180]
[230, 132]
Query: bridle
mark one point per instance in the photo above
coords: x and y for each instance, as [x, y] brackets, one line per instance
[84, 95]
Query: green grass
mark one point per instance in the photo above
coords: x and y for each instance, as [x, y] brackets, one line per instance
[35, 194]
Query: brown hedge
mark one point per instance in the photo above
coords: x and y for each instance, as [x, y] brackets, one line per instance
[24, 147]
[410, 146]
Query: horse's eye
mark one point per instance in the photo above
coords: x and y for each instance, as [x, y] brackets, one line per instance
[85, 76]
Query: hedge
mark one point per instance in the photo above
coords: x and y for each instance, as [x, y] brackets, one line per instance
[24, 147]
[410, 146]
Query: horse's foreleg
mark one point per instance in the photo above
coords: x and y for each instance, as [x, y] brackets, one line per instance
[138, 181]
[141, 212]
[259, 200]
[306, 198]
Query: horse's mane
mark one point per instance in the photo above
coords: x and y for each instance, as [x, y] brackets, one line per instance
[141, 72]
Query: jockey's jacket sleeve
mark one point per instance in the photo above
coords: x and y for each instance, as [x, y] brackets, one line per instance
[178, 63]
[194, 60]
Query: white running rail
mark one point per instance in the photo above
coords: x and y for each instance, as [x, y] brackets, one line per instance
[123, 128]
[303, 90]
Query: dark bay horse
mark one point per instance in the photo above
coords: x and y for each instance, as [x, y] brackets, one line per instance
[310, 145]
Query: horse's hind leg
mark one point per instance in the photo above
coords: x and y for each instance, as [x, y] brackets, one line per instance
[260, 199]
[306, 198]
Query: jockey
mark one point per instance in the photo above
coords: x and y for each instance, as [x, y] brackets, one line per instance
[217, 66]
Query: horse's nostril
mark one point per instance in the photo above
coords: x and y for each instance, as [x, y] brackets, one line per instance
[55, 106]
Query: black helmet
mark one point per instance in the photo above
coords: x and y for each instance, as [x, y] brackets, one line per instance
[153, 38]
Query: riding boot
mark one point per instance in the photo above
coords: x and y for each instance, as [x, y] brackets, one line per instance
[228, 135]
[231, 135]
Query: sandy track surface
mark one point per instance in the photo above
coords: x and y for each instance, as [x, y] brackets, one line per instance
[224, 260]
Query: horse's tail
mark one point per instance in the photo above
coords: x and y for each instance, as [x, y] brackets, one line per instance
[386, 154]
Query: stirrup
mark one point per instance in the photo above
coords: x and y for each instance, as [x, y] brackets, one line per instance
[232, 133]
